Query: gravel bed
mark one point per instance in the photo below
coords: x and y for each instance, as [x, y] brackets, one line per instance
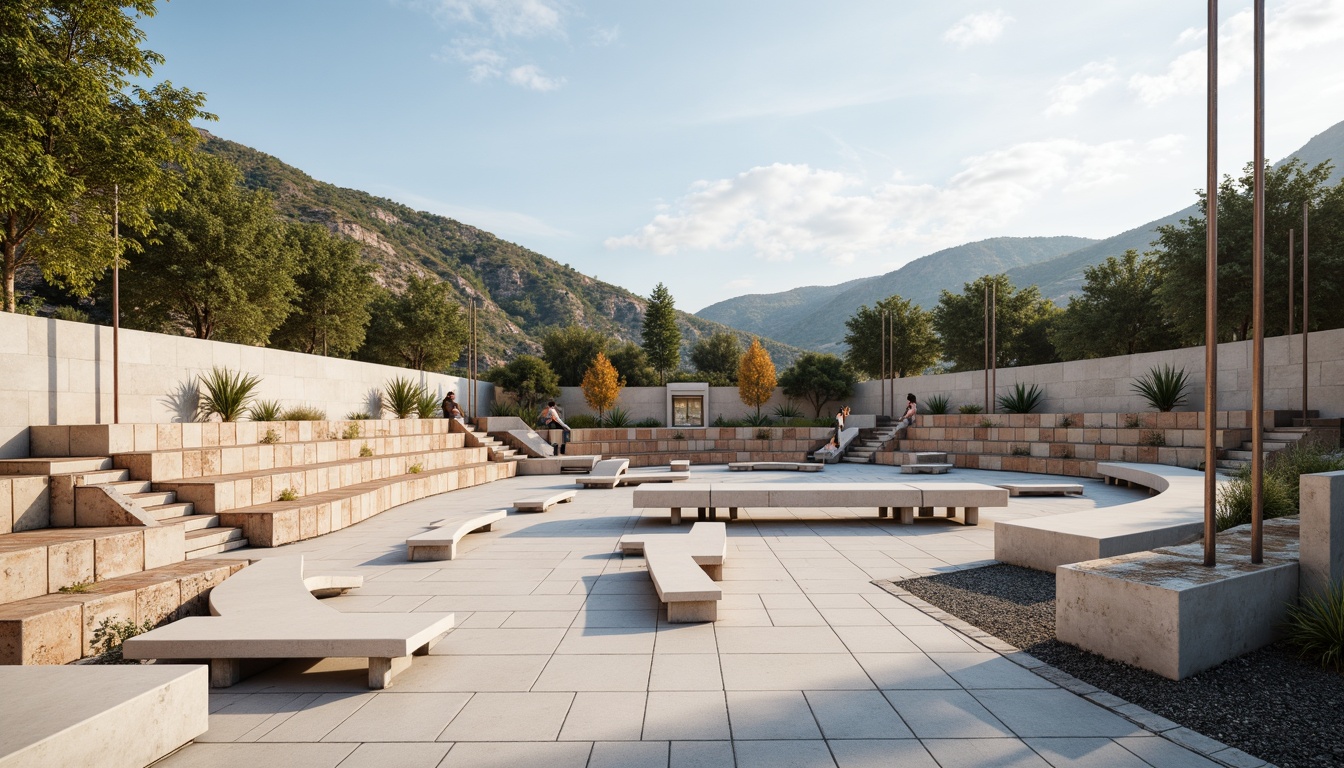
[1267, 703]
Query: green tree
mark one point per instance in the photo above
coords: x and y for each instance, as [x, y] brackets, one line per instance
[1181, 254]
[913, 344]
[73, 127]
[1118, 313]
[818, 378]
[422, 328]
[571, 350]
[632, 364]
[756, 376]
[1024, 324]
[661, 336]
[218, 266]
[528, 378]
[335, 288]
[717, 355]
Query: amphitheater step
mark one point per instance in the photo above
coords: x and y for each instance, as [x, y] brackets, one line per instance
[171, 511]
[213, 538]
[925, 469]
[54, 466]
[192, 523]
[129, 487]
[153, 498]
[216, 549]
[865, 459]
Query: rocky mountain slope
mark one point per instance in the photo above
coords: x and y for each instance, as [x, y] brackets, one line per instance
[521, 292]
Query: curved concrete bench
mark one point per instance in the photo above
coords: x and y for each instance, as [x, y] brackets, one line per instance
[895, 499]
[544, 503]
[605, 473]
[1171, 517]
[1042, 489]
[265, 611]
[440, 543]
[775, 466]
[683, 569]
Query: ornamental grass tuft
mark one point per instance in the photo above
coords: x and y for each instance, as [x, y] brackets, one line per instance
[227, 394]
[1163, 387]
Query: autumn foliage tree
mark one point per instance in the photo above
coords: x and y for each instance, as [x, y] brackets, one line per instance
[601, 385]
[756, 376]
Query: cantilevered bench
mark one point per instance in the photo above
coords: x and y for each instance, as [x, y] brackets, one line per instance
[605, 473]
[440, 542]
[775, 466]
[1042, 489]
[265, 611]
[544, 503]
[683, 569]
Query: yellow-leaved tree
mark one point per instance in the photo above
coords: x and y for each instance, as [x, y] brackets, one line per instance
[755, 376]
[601, 385]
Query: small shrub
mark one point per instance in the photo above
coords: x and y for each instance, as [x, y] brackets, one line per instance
[786, 411]
[79, 587]
[70, 314]
[1304, 457]
[365, 451]
[358, 416]
[679, 436]
[756, 420]
[938, 404]
[1020, 450]
[970, 409]
[762, 434]
[1132, 421]
[303, 413]
[271, 437]
[227, 394]
[352, 432]
[1022, 399]
[1066, 422]
[110, 634]
[649, 423]
[1316, 626]
[401, 397]
[1234, 500]
[288, 494]
[265, 410]
[415, 468]
[617, 418]
[1153, 438]
[584, 421]
[988, 423]
[1162, 387]
[428, 405]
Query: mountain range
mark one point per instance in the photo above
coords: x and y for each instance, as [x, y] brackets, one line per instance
[813, 316]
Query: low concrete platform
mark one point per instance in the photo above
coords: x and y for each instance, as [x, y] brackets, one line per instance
[557, 465]
[106, 716]
[1042, 489]
[544, 503]
[925, 469]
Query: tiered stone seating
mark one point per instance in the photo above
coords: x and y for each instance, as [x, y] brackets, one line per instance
[709, 445]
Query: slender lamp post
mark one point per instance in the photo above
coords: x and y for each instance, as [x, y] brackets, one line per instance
[1258, 299]
[1290, 282]
[1305, 306]
[986, 349]
[993, 344]
[882, 318]
[116, 303]
[1211, 298]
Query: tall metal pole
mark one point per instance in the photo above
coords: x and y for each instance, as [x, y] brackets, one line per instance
[986, 348]
[891, 361]
[993, 344]
[116, 303]
[475, 405]
[1258, 299]
[1305, 307]
[1211, 300]
[1290, 283]
[881, 380]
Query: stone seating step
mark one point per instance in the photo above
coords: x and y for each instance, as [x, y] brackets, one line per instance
[274, 523]
[127, 487]
[109, 439]
[191, 522]
[54, 466]
[40, 562]
[222, 493]
[153, 498]
[172, 511]
[59, 628]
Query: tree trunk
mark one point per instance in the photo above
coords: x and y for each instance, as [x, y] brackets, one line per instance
[9, 278]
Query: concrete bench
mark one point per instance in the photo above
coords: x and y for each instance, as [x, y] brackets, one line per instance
[653, 477]
[1173, 516]
[1041, 489]
[440, 543]
[267, 612]
[557, 465]
[605, 473]
[775, 466]
[899, 500]
[683, 569]
[542, 504]
[679, 465]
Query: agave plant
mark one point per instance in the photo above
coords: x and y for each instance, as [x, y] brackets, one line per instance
[402, 396]
[938, 404]
[617, 417]
[752, 419]
[227, 394]
[1162, 387]
[1022, 399]
[786, 411]
[264, 410]
[427, 405]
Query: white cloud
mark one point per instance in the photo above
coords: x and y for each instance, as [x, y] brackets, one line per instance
[1289, 27]
[505, 18]
[604, 36]
[783, 211]
[977, 28]
[531, 76]
[483, 63]
[1079, 85]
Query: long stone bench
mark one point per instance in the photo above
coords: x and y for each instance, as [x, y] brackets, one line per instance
[544, 503]
[896, 499]
[775, 466]
[557, 465]
[106, 716]
[653, 477]
[440, 542]
[683, 569]
[1042, 489]
[605, 473]
[1174, 515]
[267, 612]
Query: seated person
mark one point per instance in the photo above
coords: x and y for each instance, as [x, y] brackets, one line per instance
[911, 410]
[550, 419]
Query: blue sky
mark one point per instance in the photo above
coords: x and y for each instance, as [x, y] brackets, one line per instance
[741, 146]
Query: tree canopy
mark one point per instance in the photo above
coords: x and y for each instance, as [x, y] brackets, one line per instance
[1024, 323]
[818, 378]
[1118, 313]
[421, 328]
[528, 378]
[335, 288]
[632, 363]
[570, 351]
[756, 376]
[218, 266]
[76, 131]
[717, 355]
[660, 334]
[601, 385]
[913, 346]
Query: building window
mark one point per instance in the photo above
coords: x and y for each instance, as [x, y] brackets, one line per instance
[688, 411]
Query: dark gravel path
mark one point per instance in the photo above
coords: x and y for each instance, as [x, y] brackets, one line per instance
[1266, 703]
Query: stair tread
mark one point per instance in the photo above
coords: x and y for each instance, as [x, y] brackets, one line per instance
[252, 474]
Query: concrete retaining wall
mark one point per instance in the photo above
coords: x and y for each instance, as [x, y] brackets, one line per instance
[57, 372]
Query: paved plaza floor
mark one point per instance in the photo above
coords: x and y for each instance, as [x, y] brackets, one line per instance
[561, 658]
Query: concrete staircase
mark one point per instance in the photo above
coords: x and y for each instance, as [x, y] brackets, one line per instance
[1276, 439]
[870, 441]
[202, 533]
[495, 449]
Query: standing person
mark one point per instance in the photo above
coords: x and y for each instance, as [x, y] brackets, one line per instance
[911, 409]
[550, 419]
[451, 410]
[840, 424]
